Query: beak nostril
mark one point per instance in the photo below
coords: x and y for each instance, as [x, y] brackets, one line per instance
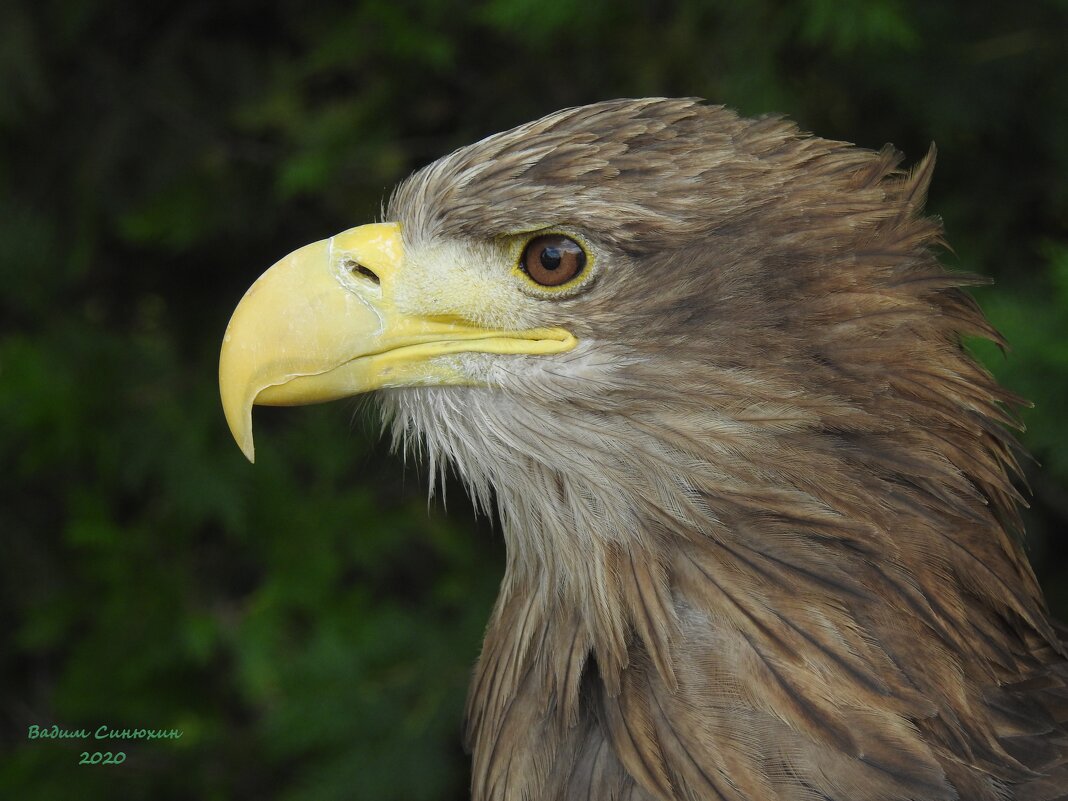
[356, 268]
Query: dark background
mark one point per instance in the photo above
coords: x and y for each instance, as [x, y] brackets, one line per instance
[310, 623]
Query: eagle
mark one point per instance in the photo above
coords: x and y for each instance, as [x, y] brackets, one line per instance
[763, 540]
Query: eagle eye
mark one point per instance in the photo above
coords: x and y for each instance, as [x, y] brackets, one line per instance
[552, 259]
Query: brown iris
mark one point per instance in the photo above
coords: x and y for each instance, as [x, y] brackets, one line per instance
[553, 259]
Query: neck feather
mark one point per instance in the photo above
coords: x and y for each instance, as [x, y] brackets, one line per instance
[690, 639]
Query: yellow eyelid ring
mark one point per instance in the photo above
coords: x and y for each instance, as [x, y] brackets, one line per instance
[582, 278]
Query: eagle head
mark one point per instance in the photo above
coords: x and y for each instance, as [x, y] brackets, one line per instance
[755, 493]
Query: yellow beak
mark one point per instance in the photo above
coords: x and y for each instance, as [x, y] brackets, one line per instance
[321, 324]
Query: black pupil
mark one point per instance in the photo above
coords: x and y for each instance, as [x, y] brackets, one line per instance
[551, 258]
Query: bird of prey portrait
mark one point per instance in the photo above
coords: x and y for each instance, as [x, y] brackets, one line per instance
[762, 536]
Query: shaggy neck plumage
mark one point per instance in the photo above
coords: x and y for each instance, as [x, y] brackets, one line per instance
[665, 621]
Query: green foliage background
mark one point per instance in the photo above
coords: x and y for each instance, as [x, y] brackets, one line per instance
[310, 623]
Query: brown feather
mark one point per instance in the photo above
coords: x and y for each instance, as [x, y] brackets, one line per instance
[761, 523]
